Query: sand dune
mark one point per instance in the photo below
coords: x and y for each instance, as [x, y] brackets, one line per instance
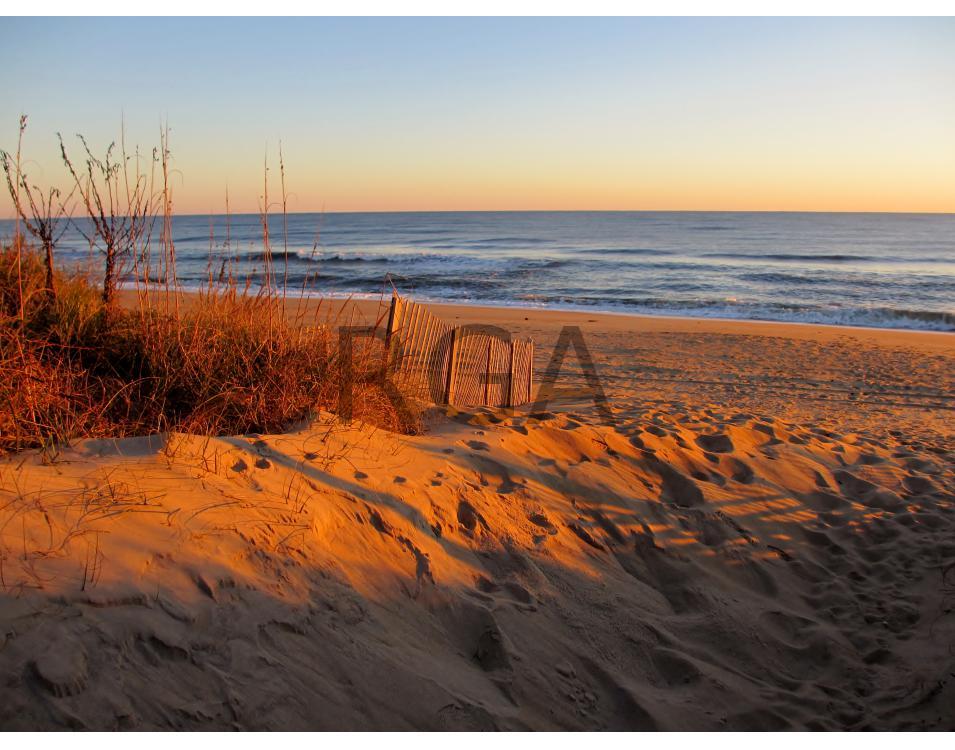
[764, 538]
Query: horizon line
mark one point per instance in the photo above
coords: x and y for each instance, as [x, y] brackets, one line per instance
[553, 211]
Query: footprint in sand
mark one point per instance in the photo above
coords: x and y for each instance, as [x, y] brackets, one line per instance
[508, 590]
[718, 443]
[740, 471]
[62, 669]
[867, 493]
[493, 651]
[767, 430]
[918, 485]
[637, 443]
[820, 480]
[702, 476]
[825, 501]
[677, 488]
[490, 469]
[469, 518]
[464, 716]
[673, 668]
[539, 519]
[477, 633]
[922, 466]
[710, 530]
[586, 537]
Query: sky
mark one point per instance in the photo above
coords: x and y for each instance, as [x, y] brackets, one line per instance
[397, 114]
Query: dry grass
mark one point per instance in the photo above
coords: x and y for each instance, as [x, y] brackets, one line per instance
[229, 363]
[52, 523]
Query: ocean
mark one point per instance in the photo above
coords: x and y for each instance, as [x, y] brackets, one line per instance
[882, 270]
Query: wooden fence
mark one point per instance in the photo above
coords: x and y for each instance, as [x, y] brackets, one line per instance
[469, 365]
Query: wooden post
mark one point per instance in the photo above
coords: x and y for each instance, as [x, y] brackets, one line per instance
[487, 374]
[390, 329]
[510, 377]
[452, 366]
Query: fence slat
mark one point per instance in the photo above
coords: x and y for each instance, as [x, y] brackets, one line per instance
[436, 360]
[449, 389]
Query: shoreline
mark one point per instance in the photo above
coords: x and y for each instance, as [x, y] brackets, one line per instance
[524, 317]
[647, 321]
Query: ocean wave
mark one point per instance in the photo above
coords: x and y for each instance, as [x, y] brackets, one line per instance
[795, 257]
[334, 258]
[785, 278]
[856, 317]
[828, 258]
[864, 317]
[340, 258]
[624, 251]
[398, 259]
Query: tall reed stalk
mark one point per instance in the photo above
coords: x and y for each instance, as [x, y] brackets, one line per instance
[43, 213]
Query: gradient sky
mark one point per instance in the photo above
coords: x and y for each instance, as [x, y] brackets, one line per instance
[441, 114]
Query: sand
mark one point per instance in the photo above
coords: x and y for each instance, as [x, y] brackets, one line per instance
[761, 536]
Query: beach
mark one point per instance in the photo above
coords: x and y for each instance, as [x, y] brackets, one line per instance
[744, 526]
